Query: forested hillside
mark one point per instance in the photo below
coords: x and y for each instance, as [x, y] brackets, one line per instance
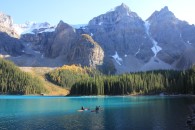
[82, 82]
[14, 81]
[66, 76]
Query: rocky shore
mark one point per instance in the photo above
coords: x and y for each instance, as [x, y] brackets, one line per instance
[191, 118]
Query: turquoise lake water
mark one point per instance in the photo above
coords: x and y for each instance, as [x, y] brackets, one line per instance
[118, 113]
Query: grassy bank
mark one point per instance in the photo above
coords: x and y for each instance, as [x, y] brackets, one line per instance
[51, 88]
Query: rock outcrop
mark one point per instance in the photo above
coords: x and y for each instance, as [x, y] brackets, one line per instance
[60, 43]
[86, 52]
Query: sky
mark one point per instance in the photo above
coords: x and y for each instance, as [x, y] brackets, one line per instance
[82, 11]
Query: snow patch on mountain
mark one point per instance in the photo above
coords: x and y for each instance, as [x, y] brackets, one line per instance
[189, 42]
[18, 29]
[39, 25]
[117, 58]
[155, 47]
[38, 52]
[147, 26]
[52, 29]
[78, 26]
[137, 52]
[100, 23]
[139, 49]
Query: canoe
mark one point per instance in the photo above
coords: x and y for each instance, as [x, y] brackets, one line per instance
[86, 109]
[80, 110]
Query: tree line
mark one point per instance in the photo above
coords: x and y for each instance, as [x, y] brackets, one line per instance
[152, 82]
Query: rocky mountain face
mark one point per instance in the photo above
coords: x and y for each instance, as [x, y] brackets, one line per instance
[9, 42]
[73, 47]
[10, 46]
[172, 35]
[121, 31]
[63, 37]
[118, 40]
[86, 52]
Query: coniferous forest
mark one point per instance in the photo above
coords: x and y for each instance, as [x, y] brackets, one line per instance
[90, 82]
[14, 81]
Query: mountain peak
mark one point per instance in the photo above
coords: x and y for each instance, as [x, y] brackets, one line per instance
[63, 26]
[5, 20]
[165, 9]
[120, 14]
[123, 8]
[163, 14]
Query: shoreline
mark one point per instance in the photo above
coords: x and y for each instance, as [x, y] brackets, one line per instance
[131, 95]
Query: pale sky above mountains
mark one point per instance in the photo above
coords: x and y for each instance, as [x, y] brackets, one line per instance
[81, 11]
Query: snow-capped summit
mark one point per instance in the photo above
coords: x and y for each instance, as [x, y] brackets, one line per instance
[33, 27]
[5, 20]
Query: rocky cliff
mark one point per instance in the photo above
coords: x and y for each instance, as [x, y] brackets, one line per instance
[86, 52]
[60, 42]
[10, 46]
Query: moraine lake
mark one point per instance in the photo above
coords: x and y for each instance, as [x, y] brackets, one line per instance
[116, 113]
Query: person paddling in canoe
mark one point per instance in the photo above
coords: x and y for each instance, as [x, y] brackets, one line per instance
[97, 108]
[83, 109]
